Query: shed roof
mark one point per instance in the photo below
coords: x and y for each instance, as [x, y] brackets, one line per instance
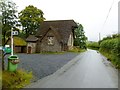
[32, 38]
[19, 41]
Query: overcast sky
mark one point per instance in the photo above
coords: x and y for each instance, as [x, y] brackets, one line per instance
[90, 13]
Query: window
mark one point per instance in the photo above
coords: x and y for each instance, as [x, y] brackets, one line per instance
[50, 40]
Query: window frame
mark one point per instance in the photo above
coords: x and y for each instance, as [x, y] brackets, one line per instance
[50, 40]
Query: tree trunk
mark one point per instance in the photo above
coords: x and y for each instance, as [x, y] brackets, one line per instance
[3, 65]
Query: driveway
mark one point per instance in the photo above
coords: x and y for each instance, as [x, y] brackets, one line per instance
[43, 64]
[87, 70]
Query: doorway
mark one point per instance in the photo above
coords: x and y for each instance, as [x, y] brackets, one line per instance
[29, 50]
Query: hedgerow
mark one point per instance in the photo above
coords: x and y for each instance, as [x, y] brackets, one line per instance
[93, 45]
[111, 49]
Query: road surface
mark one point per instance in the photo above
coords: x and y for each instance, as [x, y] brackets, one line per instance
[87, 70]
[42, 65]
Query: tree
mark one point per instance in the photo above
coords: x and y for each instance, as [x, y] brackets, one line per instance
[30, 19]
[0, 29]
[80, 38]
[9, 18]
[9, 21]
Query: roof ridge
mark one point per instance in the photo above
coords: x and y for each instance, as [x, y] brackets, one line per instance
[58, 20]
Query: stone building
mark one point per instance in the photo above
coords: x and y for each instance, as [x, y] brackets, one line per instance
[52, 36]
[31, 43]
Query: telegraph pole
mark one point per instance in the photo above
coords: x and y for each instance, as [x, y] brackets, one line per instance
[11, 42]
[99, 37]
[13, 60]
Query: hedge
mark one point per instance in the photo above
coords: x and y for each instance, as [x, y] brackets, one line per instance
[111, 49]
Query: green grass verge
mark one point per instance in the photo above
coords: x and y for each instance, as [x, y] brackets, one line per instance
[18, 79]
[93, 48]
[77, 50]
[110, 57]
[52, 52]
[0, 78]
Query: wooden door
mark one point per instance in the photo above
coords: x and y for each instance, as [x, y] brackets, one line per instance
[29, 50]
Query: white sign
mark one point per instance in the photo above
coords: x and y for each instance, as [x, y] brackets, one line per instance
[7, 46]
[14, 32]
[0, 47]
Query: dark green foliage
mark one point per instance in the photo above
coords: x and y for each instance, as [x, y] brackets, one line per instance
[8, 10]
[8, 21]
[110, 37]
[0, 29]
[111, 49]
[93, 45]
[108, 44]
[80, 38]
[30, 19]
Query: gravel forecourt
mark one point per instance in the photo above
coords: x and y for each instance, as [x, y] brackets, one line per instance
[43, 64]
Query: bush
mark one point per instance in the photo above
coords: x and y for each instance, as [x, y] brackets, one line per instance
[111, 49]
[76, 49]
[0, 79]
[93, 45]
[16, 79]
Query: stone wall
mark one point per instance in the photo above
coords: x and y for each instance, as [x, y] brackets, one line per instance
[45, 47]
[70, 42]
[32, 45]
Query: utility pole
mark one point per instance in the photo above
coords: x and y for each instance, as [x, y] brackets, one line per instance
[99, 38]
[13, 60]
[11, 42]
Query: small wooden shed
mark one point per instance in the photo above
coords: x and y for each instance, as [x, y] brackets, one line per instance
[19, 44]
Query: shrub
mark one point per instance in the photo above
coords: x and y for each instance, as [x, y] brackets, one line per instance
[76, 49]
[16, 79]
[93, 45]
[111, 49]
[0, 79]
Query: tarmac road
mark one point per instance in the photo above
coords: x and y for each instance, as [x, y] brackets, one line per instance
[42, 65]
[88, 70]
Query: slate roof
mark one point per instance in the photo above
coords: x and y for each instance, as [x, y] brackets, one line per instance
[63, 27]
[31, 38]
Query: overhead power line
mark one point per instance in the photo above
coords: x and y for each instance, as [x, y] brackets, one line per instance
[108, 14]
